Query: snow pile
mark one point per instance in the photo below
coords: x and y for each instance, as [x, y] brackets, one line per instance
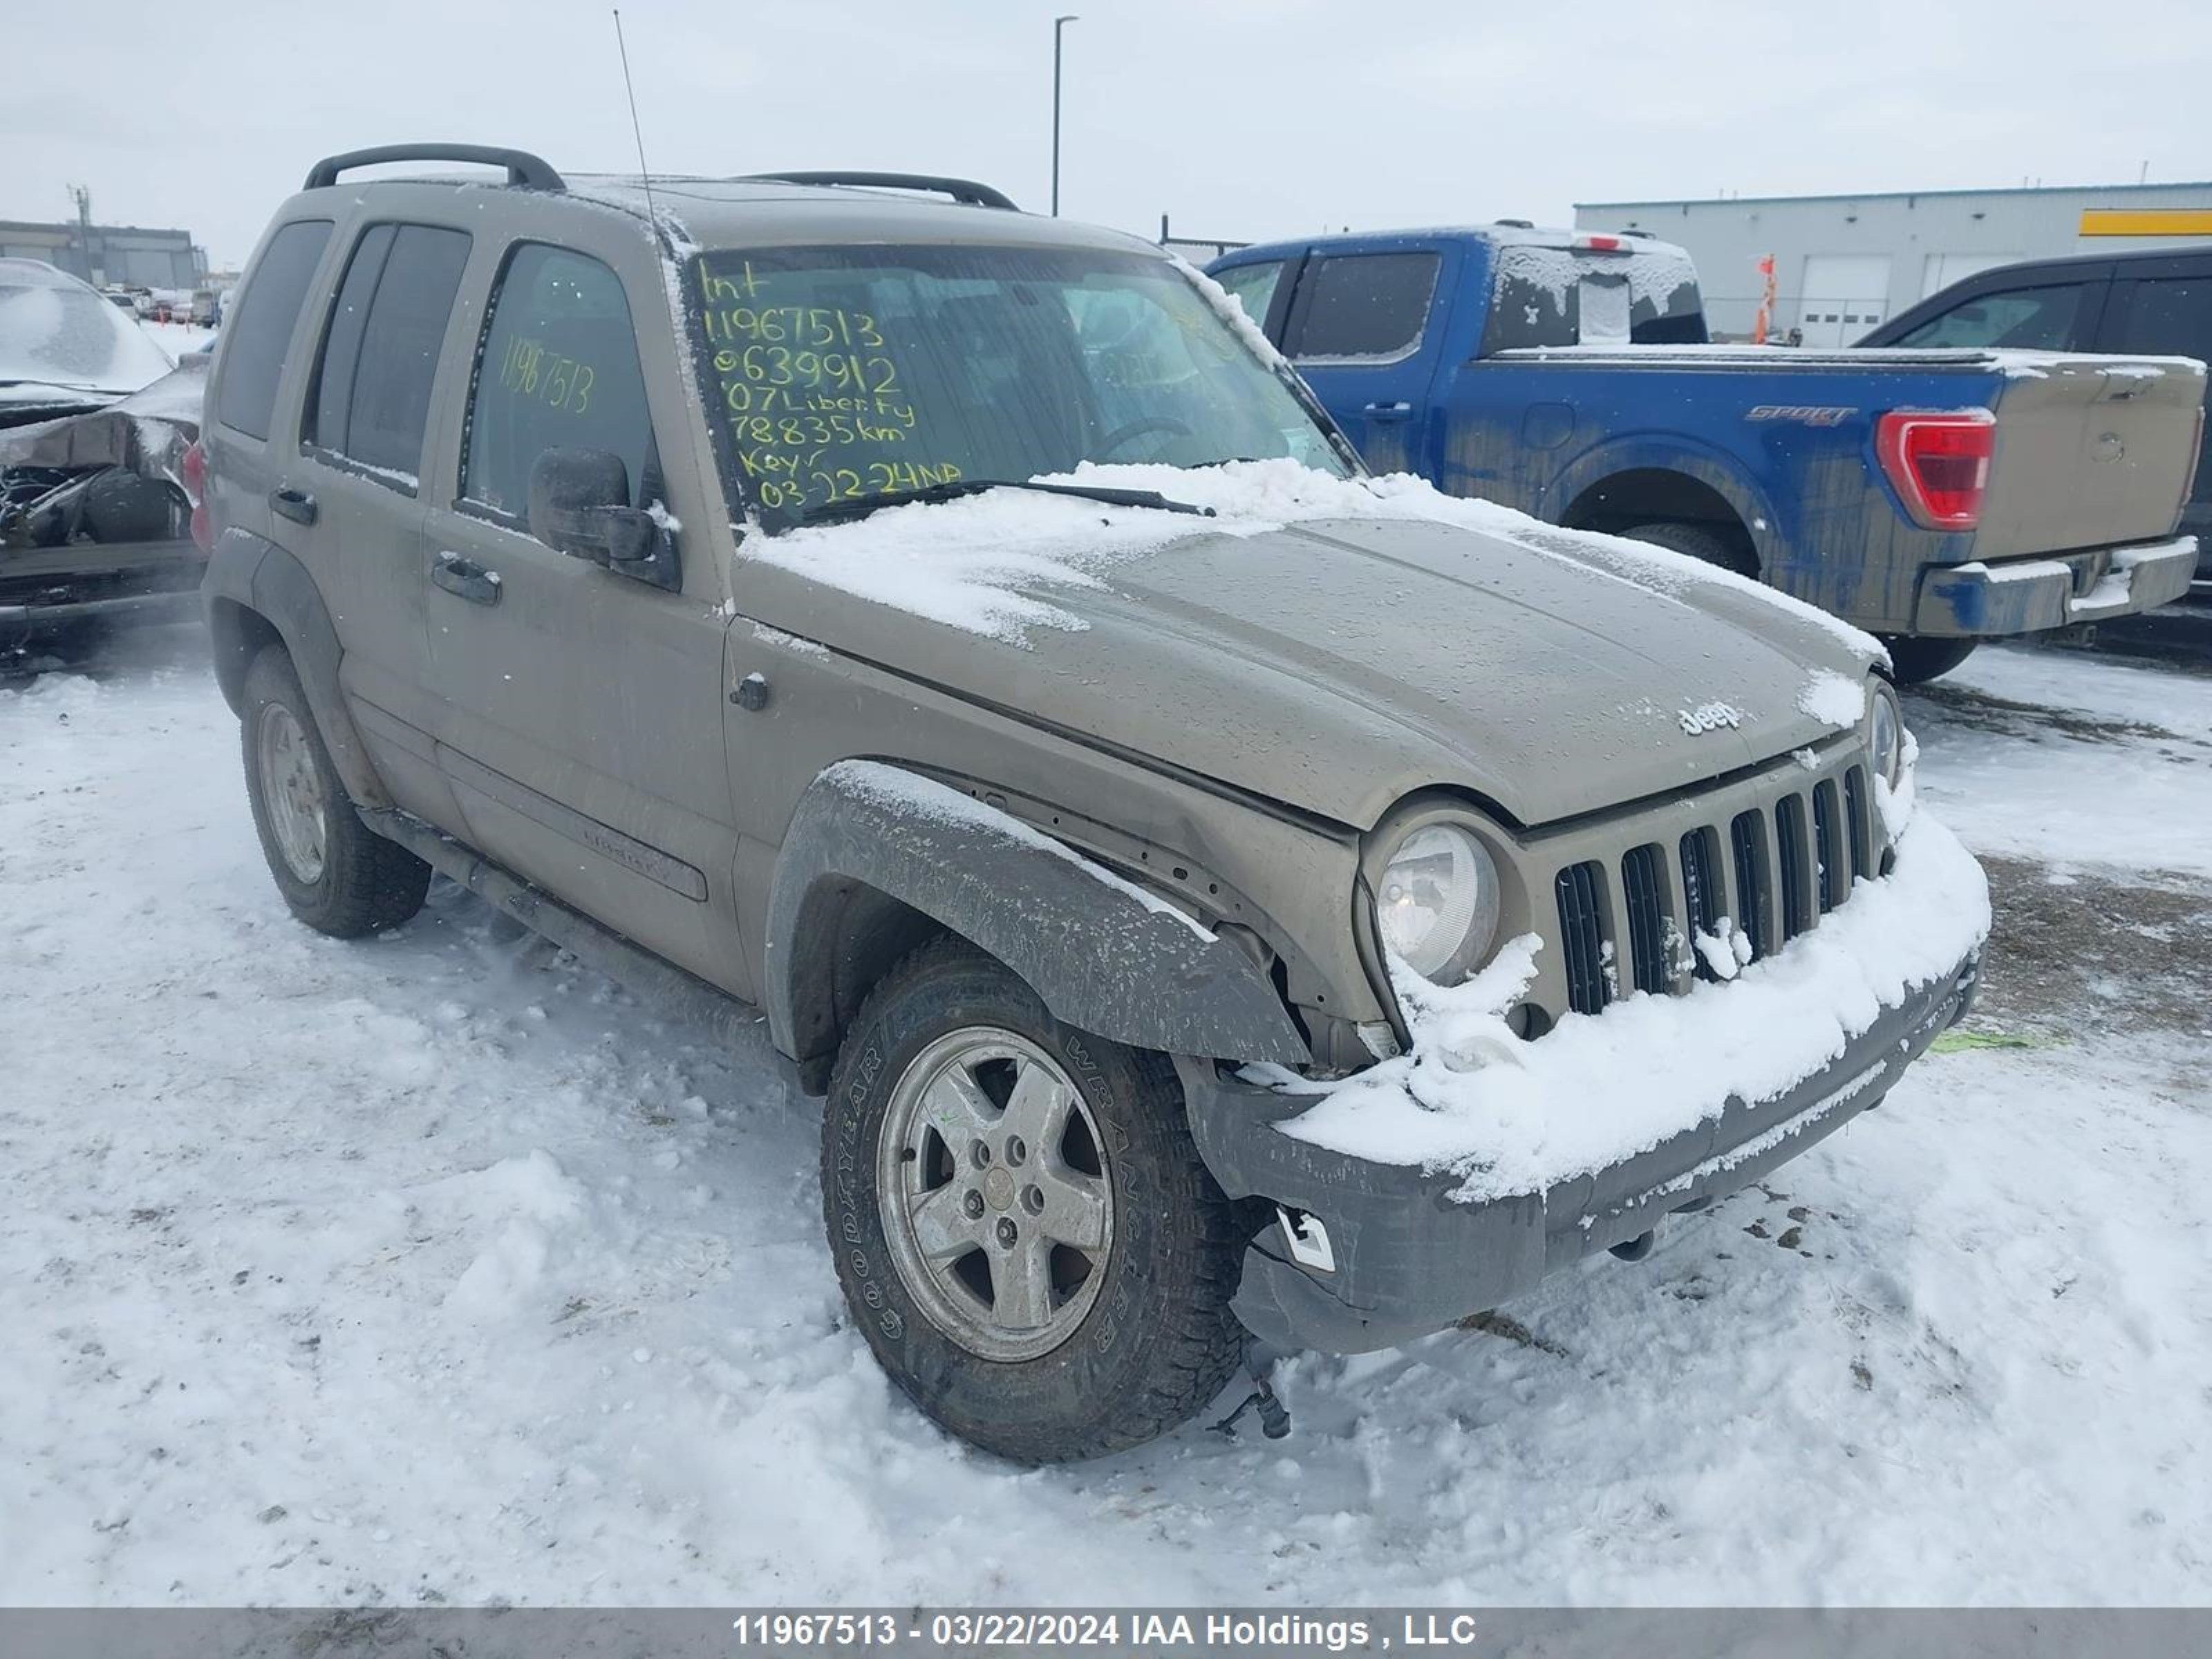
[1833, 700]
[1511, 1116]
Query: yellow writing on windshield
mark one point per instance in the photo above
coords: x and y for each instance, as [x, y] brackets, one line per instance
[812, 395]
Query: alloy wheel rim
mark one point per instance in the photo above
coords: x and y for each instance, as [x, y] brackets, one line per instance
[292, 793]
[995, 1194]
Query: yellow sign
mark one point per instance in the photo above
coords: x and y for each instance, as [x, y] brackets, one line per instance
[2147, 221]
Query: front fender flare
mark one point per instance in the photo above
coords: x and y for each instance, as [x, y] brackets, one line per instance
[1104, 955]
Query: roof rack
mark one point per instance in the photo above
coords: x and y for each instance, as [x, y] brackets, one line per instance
[966, 191]
[523, 169]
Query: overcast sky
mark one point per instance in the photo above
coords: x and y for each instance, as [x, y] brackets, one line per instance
[1241, 119]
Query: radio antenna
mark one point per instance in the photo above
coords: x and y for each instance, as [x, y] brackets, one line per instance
[644, 176]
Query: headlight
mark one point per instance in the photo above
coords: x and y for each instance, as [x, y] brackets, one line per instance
[1438, 904]
[1886, 732]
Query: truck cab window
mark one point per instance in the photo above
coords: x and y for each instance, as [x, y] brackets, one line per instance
[2034, 318]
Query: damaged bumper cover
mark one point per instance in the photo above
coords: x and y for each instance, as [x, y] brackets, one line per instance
[2034, 595]
[1406, 1259]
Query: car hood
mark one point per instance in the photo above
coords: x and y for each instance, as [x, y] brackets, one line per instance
[147, 430]
[1339, 665]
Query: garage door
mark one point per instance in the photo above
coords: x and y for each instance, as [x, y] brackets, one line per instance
[1843, 295]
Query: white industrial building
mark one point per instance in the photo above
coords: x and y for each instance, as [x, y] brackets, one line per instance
[1842, 264]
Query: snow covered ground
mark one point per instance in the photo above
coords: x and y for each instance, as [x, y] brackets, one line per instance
[433, 1269]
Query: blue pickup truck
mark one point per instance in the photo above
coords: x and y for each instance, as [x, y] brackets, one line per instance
[1935, 498]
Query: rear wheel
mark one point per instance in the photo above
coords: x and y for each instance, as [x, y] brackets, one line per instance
[1702, 542]
[1023, 1230]
[1916, 661]
[335, 874]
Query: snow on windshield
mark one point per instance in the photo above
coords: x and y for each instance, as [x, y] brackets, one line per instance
[56, 332]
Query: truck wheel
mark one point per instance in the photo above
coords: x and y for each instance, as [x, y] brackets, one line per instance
[336, 875]
[1701, 542]
[1916, 661]
[1022, 1228]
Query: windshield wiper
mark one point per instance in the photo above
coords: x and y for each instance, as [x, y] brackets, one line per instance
[858, 507]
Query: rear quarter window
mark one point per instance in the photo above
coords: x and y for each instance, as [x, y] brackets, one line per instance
[262, 324]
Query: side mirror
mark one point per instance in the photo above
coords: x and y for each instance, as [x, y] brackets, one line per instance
[580, 506]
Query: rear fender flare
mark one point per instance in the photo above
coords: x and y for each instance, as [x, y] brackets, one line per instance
[1101, 958]
[1654, 453]
[248, 575]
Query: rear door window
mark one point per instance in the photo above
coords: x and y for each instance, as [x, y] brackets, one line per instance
[559, 369]
[1362, 307]
[371, 400]
[261, 327]
[2047, 318]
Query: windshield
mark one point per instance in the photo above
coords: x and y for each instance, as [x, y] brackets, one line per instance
[55, 332]
[839, 373]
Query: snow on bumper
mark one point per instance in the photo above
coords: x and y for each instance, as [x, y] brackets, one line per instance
[2029, 595]
[1457, 1176]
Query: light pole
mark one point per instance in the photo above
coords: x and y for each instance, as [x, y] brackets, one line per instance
[1058, 24]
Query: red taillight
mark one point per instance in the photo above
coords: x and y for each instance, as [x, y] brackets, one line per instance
[1599, 243]
[194, 468]
[1939, 464]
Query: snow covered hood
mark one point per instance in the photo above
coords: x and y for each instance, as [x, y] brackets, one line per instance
[58, 333]
[1330, 644]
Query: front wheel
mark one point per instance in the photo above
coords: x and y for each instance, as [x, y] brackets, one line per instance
[1022, 1229]
[1916, 661]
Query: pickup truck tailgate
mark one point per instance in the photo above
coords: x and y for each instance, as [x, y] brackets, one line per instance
[2091, 451]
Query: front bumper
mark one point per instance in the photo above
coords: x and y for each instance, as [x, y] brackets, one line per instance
[49, 587]
[1407, 1260]
[2034, 595]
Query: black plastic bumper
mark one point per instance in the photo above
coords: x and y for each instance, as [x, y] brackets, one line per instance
[44, 588]
[1407, 1260]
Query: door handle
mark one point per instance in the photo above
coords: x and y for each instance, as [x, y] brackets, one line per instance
[1387, 412]
[297, 504]
[466, 578]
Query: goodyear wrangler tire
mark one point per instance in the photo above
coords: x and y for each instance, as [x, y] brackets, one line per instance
[1022, 1229]
[335, 874]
